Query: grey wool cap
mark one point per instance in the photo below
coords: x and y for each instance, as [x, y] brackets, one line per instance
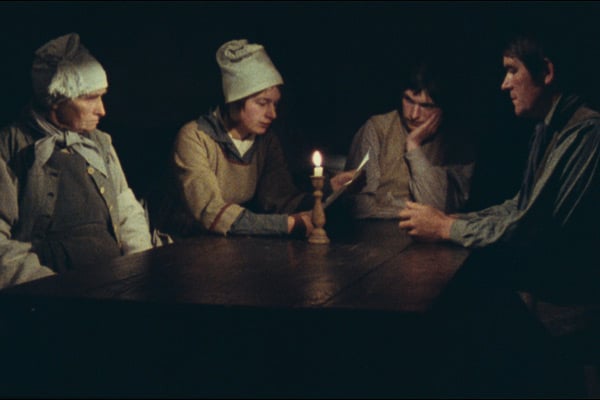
[246, 69]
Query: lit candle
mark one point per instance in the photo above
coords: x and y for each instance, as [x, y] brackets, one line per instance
[317, 161]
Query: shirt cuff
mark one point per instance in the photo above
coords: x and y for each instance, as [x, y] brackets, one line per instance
[457, 230]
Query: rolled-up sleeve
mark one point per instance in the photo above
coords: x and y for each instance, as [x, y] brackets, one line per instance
[443, 187]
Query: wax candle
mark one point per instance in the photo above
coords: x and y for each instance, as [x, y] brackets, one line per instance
[317, 161]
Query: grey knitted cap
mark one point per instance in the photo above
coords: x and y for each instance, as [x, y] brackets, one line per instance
[245, 69]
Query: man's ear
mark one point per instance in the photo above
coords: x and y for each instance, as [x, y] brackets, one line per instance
[549, 73]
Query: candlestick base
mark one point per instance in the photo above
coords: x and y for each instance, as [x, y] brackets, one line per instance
[318, 234]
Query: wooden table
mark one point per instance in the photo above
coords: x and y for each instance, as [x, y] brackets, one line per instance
[235, 316]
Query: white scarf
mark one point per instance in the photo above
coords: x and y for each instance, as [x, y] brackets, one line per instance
[80, 144]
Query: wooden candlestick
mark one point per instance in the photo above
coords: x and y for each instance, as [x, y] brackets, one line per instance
[318, 235]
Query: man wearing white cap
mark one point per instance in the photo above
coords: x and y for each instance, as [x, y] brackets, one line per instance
[229, 166]
[64, 199]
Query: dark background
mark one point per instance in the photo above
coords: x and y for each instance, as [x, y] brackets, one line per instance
[341, 62]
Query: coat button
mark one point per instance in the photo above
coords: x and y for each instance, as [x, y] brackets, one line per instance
[90, 170]
[102, 190]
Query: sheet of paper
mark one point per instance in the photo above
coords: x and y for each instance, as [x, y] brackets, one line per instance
[337, 194]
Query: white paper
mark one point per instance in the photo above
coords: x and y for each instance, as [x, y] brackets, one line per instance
[337, 194]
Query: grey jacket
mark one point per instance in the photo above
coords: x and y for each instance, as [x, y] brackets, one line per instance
[563, 195]
[553, 224]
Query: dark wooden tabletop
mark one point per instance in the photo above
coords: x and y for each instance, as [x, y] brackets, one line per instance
[371, 265]
[285, 317]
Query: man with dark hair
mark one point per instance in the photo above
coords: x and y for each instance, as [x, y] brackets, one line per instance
[542, 242]
[554, 213]
[411, 156]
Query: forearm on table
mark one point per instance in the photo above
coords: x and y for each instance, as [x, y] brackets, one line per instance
[249, 223]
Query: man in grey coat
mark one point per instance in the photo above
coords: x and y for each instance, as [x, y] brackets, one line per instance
[541, 244]
[64, 199]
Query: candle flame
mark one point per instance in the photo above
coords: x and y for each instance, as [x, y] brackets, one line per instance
[316, 158]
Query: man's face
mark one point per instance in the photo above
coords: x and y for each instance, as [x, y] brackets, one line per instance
[417, 108]
[259, 111]
[81, 114]
[525, 93]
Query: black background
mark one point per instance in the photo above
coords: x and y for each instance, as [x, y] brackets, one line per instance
[341, 62]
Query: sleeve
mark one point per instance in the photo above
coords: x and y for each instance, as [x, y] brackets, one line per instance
[579, 177]
[364, 204]
[18, 263]
[566, 187]
[488, 226]
[276, 191]
[133, 224]
[250, 223]
[198, 183]
[443, 187]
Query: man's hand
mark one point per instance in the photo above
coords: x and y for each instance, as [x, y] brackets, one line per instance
[425, 222]
[300, 224]
[425, 131]
[341, 179]
[338, 181]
